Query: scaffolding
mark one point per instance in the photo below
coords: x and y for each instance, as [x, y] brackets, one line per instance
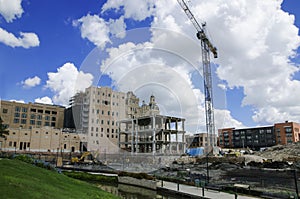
[156, 134]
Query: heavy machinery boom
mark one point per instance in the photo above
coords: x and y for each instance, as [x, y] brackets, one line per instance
[206, 48]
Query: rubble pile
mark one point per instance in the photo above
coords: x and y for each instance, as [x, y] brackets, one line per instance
[290, 152]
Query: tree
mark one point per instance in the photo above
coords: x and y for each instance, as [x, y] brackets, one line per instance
[3, 131]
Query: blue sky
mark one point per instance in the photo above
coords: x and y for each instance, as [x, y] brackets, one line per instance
[256, 77]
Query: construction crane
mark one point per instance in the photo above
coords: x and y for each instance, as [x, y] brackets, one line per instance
[206, 48]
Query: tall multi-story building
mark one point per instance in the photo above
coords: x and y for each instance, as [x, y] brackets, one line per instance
[96, 111]
[31, 115]
[259, 137]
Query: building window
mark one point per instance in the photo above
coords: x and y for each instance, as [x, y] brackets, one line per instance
[47, 118]
[39, 117]
[17, 109]
[101, 129]
[47, 112]
[23, 121]
[97, 130]
[24, 115]
[5, 110]
[102, 112]
[102, 122]
[288, 130]
[54, 113]
[40, 111]
[24, 109]
[65, 146]
[107, 122]
[38, 123]
[16, 120]
[108, 112]
[107, 130]
[53, 119]
[47, 124]
[32, 116]
[10, 143]
[17, 114]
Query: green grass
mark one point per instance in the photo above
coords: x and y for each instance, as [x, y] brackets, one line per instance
[22, 180]
[109, 180]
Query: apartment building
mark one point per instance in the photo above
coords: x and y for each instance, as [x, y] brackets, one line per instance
[287, 132]
[259, 137]
[31, 115]
[197, 140]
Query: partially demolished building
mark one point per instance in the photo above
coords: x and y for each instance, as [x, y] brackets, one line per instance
[156, 134]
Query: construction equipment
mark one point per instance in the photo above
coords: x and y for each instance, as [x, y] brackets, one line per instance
[206, 48]
[86, 158]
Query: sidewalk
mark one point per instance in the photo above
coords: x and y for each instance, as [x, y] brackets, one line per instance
[197, 191]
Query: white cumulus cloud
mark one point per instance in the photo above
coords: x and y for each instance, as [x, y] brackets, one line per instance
[44, 100]
[98, 31]
[255, 39]
[25, 40]
[66, 82]
[11, 9]
[31, 82]
[135, 9]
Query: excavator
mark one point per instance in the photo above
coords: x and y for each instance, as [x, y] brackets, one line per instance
[86, 158]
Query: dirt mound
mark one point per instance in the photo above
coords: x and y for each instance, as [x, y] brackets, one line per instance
[290, 152]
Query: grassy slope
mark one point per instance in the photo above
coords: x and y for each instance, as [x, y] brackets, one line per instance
[22, 180]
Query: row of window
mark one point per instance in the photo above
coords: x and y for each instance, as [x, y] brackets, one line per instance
[102, 122]
[102, 130]
[103, 112]
[33, 122]
[33, 116]
[22, 146]
[107, 135]
[107, 95]
[24, 110]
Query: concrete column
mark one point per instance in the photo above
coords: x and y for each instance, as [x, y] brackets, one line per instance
[153, 135]
[119, 135]
[136, 138]
[132, 136]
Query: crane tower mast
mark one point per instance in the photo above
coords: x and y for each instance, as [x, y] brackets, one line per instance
[206, 48]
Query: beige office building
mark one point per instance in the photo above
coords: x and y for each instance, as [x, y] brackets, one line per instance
[31, 115]
[44, 139]
[100, 110]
